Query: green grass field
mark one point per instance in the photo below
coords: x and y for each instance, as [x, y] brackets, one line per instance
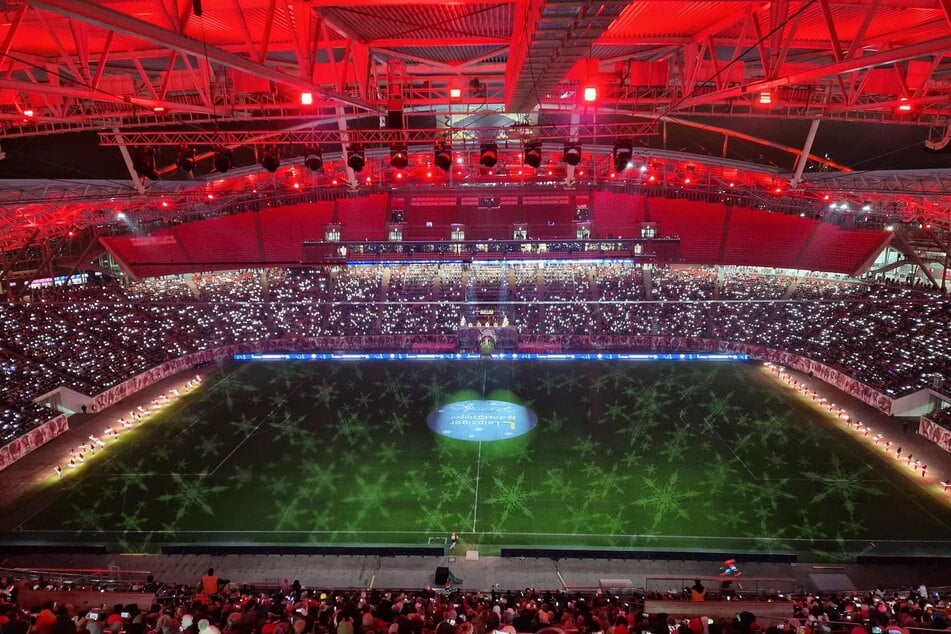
[625, 455]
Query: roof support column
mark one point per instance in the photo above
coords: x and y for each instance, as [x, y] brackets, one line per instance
[124, 150]
[804, 157]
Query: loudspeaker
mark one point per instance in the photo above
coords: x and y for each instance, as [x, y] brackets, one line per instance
[442, 575]
[394, 114]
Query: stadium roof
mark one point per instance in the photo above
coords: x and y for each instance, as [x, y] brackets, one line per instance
[735, 78]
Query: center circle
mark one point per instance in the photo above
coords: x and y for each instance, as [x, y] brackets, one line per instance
[480, 421]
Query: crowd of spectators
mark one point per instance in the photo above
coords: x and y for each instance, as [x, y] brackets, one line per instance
[894, 338]
[214, 607]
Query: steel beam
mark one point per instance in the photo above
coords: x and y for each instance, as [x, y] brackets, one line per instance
[549, 132]
[98, 95]
[121, 23]
[871, 60]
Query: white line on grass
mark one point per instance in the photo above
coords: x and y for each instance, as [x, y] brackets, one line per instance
[497, 534]
[475, 506]
[256, 427]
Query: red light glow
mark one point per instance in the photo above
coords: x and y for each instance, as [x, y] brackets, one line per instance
[211, 196]
[296, 185]
[399, 176]
[306, 98]
[687, 181]
[28, 113]
[165, 203]
[590, 94]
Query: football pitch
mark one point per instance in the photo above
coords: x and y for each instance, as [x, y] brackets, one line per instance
[653, 455]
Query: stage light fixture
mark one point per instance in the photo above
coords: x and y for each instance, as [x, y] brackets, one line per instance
[572, 154]
[186, 158]
[222, 160]
[532, 155]
[270, 161]
[590, 94]
[442, 155]
[306, 98]
[765, 98]
[622, 153]
[399, 156]
[489, 154]
[143, 162]
[356, 159]
[314, 159]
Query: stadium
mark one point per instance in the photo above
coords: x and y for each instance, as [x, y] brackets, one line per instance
[476, 316]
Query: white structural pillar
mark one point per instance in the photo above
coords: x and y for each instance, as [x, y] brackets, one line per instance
[124, 150]
[804, 157]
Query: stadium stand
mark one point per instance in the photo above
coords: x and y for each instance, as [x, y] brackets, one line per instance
[703, 607]
[834, 249]
[284, 230]
[616, 214]
[762, 239]
[698, 224]
[891, 338]
[363, 218]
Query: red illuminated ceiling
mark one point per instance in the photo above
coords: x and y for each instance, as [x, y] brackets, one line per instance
[145, 66]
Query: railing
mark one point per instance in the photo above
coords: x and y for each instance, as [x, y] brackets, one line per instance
[68, 578]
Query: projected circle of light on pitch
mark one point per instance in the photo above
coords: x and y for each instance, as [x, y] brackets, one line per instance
[481, 421]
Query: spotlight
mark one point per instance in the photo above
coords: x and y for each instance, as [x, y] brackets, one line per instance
[489, 154]
[222, 160]
[186, 158]
[572, 155]
[590, 94]
[270, 161]
[314, 159]
[623, 150]
[356, 159]
[306, 98]
[442, 155]
[399, 156]
[143, 162]
[765, 98]
[533, 153]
